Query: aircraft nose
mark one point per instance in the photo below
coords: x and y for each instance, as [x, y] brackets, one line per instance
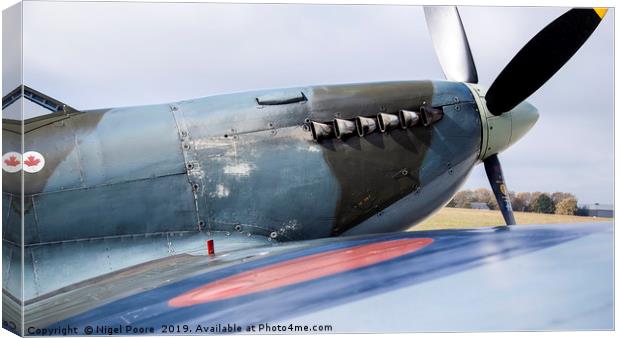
[524, 116]
[506, 129]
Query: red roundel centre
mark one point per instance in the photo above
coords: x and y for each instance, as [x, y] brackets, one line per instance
[299, 270]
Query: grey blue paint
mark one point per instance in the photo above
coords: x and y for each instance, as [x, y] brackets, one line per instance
[229, 164]
[559, 295]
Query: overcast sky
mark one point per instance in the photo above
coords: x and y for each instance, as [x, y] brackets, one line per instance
[94, 55]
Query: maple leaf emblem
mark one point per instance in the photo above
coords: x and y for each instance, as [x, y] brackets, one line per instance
[31, 161]
[12, 161]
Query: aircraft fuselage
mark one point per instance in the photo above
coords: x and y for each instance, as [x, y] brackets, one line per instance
[248, 163]
[235, 165]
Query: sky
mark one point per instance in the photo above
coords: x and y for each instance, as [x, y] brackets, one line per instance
[96, 55]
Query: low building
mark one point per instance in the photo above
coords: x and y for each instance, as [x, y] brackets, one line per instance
[597, 210]
[479, 205]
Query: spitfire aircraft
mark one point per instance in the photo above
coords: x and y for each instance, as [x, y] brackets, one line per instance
[260, 206]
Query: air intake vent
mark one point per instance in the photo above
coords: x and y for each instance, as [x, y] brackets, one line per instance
[278, 99]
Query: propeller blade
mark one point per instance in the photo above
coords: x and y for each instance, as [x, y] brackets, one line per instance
[542, 57]
[496, 178]
[450, 42]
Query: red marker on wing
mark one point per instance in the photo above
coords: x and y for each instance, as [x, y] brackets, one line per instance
[299, 270]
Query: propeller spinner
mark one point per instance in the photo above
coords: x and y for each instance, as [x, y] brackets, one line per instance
[530, 68]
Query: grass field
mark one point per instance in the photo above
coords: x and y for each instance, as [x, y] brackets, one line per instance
[454, 218]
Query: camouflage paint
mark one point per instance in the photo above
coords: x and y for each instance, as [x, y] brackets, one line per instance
[243, 164]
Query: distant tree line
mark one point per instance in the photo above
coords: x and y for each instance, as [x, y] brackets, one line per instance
[561, 203]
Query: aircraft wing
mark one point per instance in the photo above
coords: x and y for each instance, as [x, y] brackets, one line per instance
[542, 277]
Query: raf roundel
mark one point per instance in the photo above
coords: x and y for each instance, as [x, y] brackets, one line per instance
[12, 162]
[33, 162]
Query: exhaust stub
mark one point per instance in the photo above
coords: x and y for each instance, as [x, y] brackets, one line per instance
[408, 118]
[387, 121]
[365, 125]
[430, 115]
[321, 131]
[343, 128]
